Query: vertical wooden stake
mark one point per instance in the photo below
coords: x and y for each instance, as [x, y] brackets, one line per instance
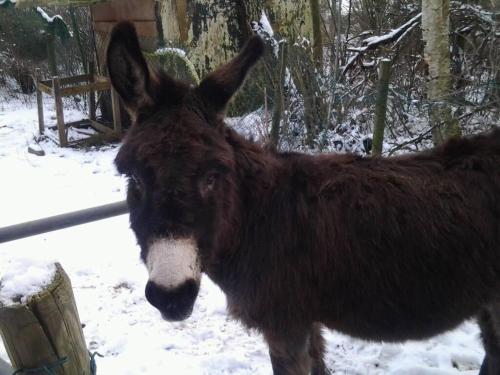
[117, 120]
[91, 97]
[381, 106]
[39, 101]
[63, 137]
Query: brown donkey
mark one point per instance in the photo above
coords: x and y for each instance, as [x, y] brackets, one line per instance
[378, 248]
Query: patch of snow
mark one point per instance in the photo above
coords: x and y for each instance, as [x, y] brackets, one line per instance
[266, 25]
[22, 278]
[166, 50]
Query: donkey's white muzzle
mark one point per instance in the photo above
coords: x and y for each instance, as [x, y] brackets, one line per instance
[173, 261]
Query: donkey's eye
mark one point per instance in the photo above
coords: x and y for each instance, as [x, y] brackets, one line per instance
[208, 183]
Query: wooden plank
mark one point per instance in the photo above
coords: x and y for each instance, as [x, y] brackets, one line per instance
[39, 102]
[100, 127]
[117, 118]
[63, 136]
[75, 79]
[82, 89]
[131, 10]
[78, 123]
[45, 88]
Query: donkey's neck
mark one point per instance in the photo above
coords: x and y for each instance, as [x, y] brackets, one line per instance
[258, 170]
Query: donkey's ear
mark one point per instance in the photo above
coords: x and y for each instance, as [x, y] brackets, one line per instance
[128, 69]
[220, 85]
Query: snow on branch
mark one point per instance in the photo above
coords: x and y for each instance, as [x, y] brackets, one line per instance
[48, 18]
[373, 42]
[476, 10]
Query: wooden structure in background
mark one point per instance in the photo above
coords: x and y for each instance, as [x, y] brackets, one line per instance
[68, 86]
[143, 14]
[46, 331]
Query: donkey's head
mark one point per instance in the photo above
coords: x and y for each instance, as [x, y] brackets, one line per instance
[182, 189]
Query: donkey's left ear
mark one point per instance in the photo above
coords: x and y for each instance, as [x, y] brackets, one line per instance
[128, 69]
[220, 85]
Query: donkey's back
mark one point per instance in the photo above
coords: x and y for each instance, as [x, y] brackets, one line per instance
[405, 247]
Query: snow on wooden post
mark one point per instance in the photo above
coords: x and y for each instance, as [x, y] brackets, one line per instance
[43, 329]
[381, 106]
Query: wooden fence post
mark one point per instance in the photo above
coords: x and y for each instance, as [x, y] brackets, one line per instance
[91, 97]
[381, 106]
[61, 127]
[46, 331]
[39, 101]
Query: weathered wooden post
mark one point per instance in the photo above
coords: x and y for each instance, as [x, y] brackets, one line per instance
[61, 127]
[39, 101]
[45, 332]
[381, 106]
[91, 97]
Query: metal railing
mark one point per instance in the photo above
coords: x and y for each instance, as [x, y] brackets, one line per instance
[70, 219]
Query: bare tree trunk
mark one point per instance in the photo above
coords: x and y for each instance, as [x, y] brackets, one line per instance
[381, 106]
[279, 97]
[316, 30]
[435, 29]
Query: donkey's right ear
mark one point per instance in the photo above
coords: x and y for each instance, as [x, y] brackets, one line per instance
[128, 69]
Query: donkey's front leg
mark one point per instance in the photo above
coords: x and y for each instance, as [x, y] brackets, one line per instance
[289, 352]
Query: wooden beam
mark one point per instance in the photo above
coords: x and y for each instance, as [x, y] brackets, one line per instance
[75, 79]
[100, 127]
[45, 88]
[100, 85]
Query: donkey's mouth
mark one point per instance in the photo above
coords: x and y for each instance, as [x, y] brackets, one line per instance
[174, 276]
[174, 304]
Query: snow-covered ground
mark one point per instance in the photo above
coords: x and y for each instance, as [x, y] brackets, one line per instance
[102, 261]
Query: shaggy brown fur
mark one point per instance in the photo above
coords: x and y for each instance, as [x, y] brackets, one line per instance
[378, 248]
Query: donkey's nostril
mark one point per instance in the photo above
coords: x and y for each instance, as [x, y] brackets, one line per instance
[176, 303]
